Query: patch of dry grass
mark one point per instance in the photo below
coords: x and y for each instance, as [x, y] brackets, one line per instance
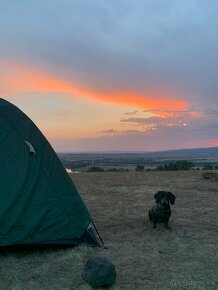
[181, 258]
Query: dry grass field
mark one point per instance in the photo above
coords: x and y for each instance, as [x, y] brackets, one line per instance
[184, 257]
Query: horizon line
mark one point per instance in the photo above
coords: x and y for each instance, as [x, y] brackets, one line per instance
[134, 151]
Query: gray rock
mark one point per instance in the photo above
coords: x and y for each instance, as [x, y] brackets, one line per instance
[99, 272]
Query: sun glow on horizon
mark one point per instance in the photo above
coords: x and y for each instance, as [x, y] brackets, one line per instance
[67, 111]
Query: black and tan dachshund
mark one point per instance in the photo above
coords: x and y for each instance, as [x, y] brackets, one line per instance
[160, 213]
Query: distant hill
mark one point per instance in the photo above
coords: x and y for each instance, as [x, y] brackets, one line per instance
[195, 152]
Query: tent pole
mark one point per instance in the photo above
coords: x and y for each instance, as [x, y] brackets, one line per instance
[98, 234]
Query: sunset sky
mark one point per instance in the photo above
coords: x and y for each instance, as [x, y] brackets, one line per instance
[105, 75]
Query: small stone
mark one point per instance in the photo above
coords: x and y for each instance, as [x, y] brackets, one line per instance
[99, 272]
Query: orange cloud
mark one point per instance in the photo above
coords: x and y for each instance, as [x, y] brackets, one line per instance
[19, 79]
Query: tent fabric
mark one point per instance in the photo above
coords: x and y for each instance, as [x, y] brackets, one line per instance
[38, 200]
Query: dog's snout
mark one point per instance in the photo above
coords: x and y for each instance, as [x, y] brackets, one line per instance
[164, 202]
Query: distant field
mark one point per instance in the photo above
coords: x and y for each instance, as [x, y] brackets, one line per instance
[83, 161]
[184, 257]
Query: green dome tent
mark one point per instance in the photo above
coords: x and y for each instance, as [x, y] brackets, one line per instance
[39, 204]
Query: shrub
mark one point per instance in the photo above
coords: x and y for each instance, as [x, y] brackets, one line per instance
[140, 167]
[95, 169]
[114, 169]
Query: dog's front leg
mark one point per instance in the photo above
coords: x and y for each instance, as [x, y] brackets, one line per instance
[166, 222]
[168, 227]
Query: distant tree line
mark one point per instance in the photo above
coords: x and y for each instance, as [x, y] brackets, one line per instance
[210, 167]
[171, 166]
[95, 169]
[178, 165]
[100, 169]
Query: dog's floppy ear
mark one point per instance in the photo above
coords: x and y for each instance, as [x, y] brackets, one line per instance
[158, 195]
[171, 198]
